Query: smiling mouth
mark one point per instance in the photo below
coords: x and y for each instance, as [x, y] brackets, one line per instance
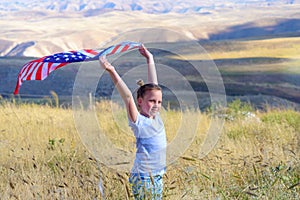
[154, 110]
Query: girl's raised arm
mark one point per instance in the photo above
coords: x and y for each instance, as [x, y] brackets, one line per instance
[152, 76]
[122, 88]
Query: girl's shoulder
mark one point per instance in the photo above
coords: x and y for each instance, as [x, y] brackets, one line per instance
[143, 120]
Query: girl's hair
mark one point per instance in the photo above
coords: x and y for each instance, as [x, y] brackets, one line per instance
[145, 87]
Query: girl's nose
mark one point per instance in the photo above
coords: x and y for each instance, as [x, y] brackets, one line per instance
[156, 104]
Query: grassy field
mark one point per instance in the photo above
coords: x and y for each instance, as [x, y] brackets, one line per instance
[42, 156]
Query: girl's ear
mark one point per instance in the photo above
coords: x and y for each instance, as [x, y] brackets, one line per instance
[139, 101]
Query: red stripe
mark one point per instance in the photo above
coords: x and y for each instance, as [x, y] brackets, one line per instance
[38, 75]
[29, 66]
[19, 83]
[25, 68]
[60, 65]
[49, 66]
[17, 87]
[24, 75]
[125, 47]
[30, 75]
[55, 68]
[91, 51]
[115, 49]
[133, 47]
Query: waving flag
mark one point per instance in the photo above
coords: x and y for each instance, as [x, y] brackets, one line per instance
[40, 68]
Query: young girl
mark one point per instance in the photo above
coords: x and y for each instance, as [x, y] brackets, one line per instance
[144, 119]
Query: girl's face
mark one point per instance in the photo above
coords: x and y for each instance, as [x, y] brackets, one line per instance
[150, 104]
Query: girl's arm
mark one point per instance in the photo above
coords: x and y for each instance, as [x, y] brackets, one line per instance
[122, 88]
[152, 76]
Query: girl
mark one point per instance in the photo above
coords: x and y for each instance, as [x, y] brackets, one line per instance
[144, 119]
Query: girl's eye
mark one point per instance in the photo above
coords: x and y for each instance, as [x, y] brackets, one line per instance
[153, 101]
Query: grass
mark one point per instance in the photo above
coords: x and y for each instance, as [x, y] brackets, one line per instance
[42, 157]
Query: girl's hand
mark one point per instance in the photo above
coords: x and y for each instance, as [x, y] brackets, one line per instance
[144, 52]
[105, 64]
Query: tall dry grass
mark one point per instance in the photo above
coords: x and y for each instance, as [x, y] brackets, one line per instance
[42, 157]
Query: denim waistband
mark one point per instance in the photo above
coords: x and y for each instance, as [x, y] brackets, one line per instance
[148, 175]
[141, 177]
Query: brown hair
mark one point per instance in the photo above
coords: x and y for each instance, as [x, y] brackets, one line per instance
[145, 87]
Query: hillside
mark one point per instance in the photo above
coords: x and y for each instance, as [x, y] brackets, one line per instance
[42, 32]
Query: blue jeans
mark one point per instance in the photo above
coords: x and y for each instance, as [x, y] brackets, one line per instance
[146, 187]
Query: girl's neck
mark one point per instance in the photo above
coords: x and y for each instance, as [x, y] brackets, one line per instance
[151, 117]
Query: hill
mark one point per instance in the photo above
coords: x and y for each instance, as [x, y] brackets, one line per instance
[38, 32]
[262, 71]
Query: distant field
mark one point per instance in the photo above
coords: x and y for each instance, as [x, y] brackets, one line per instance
[266, 66]
[260, 71]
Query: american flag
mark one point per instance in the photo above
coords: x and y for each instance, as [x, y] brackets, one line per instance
[40, 68]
